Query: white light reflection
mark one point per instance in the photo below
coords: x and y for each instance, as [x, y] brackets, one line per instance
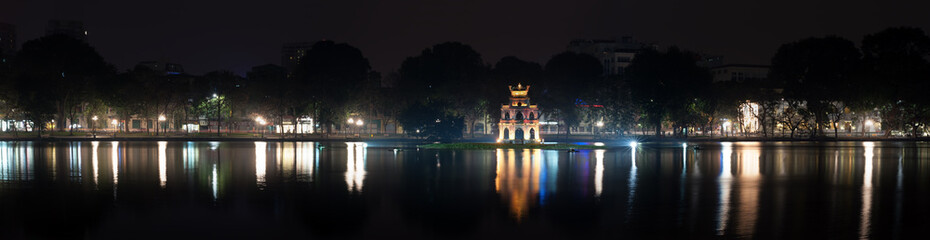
[355, 166]
[75, 160]
[114, 163]
[162, 163]
[632, 181]
[725, 183]
[865, 222]
[285, 153]
[599, 172]
[15, 161]
[260, 164]
[213, 182]
[305, 152]
[93, 157]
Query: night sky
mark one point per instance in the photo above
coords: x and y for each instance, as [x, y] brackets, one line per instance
[206, 35]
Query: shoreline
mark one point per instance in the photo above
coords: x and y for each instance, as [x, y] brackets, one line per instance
[640, 139]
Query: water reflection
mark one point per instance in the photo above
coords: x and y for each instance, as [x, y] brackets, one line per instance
[521, 178]
[599, 172]
[260, 164]
[93, 157]
[162, 163]
[865, 218]
[739, 190]
[355, 166]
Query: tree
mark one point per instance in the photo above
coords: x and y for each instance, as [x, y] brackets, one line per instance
[666, 82]
[570, 79]
[451, 73]
[332, 74]
[817, 72]
[57, 71]
[896, 70]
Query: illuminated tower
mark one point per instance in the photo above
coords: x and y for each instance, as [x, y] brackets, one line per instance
[519, 120]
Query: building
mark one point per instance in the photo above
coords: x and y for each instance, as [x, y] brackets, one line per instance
[291, 54]
[74, 29]
[7, 41]
[615, 54]
[163, 67]
[519, 119]
[740, 72]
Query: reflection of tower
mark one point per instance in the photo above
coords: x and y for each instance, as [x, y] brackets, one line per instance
[519, 120]
[520, 180]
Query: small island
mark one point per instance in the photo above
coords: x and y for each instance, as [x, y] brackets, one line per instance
[558, 146]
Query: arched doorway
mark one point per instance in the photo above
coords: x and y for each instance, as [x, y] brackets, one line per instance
[518, 134]
[532, 133]
[506, 133]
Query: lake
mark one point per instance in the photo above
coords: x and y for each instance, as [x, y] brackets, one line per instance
[339, 190]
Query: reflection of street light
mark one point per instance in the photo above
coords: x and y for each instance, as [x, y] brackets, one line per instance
[94, 126]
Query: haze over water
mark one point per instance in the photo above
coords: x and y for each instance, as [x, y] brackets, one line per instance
[132, 190]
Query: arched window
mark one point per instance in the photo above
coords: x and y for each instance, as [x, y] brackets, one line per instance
[519, 116]
[507, 116]
[532, 116]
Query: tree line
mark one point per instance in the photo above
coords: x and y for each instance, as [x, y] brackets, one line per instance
[448, 91]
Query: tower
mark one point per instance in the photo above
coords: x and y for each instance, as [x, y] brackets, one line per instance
[519, 119]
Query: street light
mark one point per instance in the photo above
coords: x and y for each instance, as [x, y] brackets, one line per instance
[217, 100]
[261, 122]
[359, 123]
[726, 126]
[94, 126]
[161, 119]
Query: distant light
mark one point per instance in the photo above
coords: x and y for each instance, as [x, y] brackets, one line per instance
[94, 118]
[85, 33]
[114, 122]
[214, 95]
[350, 121]
[684, 145]
[162, 117]
[498, 140]
[600, 123]
[359, 122]
[868, 122]
[633, 144]
[599, 144]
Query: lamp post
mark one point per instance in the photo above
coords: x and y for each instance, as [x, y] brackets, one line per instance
[217, 100]
[600, 124]
[94, 126]
[359, 123]
[161, 120]
[726, 127]
[261, 122]
[350, 122]
[869, 124]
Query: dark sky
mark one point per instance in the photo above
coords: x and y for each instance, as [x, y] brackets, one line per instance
[206, 35]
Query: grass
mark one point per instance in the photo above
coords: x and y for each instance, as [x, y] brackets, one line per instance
[506, 146]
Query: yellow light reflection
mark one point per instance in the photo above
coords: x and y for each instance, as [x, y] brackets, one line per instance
[162, 163]
[260, 163]
[749, 176]
[114, 163]
[285, 159]
[865, 223]
[518, 180]
[93, 157]
[355, 166]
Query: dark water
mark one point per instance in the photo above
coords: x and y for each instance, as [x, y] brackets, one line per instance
[157, 190]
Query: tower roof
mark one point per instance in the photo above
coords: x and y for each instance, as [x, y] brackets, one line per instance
[519, 91]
